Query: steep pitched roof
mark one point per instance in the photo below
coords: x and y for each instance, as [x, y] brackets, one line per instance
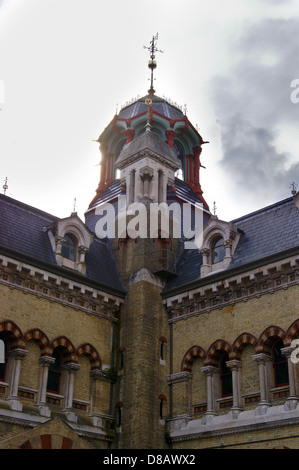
[147, 141]
[23, 233]
[265, 233]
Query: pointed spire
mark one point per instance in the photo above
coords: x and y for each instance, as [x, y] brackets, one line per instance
[152, 64]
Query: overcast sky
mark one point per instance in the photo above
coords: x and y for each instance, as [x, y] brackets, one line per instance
[67, 65]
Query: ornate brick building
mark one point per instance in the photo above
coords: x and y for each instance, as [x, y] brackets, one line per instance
[142, 342]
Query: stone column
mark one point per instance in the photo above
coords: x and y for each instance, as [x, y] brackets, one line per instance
[69, 377]
[59, 242]
[81, 263]
[263, 361]
[137, 194]
[228, 250]
[235, 366]
[205, 267]
[197, 151]
[211, 373]
[292, 400]
[45, 362]
[14, 368]
[131, 188]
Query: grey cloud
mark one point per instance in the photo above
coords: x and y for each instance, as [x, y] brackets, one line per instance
[253, 161]
[252, 103]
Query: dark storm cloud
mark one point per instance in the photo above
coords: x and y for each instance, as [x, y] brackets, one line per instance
[253, 160]
[252, 103]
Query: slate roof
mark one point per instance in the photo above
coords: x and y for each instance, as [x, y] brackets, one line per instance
[265, 233]
[159, 105]
[182, 191]
[147, 141]
[23, 233]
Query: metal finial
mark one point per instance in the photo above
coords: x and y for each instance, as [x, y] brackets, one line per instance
[148, 102]
[74, 207]
[5, 186]
[152, 64]
[293, 185]
[214, 208]
[185, 109]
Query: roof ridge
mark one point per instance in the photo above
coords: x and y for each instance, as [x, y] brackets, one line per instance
[263, 210]
[22, 205]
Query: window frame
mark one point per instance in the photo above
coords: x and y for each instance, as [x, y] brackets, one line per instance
[57, 372]
[214, 245]
[70, 245]
[275, 365]
[227, 373]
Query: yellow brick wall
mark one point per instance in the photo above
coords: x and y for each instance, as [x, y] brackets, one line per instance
[198, 388]
[82, 380]
[29, 374]
[280, 308]
[54, 319]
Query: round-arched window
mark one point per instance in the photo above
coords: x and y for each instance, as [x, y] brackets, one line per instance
[68, 249]
[180, 153]
[225, 376]
[217, 250]
[280, 365]
[55, 371]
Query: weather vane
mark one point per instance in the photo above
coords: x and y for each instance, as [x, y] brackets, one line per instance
[74, 206]
[5, 186]
[152, 64]
[293, 185]
[214, 208]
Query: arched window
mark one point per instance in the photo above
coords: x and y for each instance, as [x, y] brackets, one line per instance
[180, 153]
[54, 374]
[119, 413]
[3, 365]
[280, 365]
[162, 399]
[217, 250]
[226, 383]
[69, 245]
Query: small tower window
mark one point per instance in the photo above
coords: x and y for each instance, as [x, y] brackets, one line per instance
[217, 250]
[179, 151]
[280, 365]
[225, 377]
[68, 249]
[54, 374]
[3, 365]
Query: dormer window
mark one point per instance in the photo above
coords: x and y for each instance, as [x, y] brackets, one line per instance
[70, 240]
[217, 250]
[219, 241]
[69, 247]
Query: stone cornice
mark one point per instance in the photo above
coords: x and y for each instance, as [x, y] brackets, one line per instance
[235, 428]
[69, 276]
[270, 262]
[233, 290]
[45, 285]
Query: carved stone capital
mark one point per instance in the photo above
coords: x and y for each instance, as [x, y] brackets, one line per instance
[46, 360]
[262, 358]
[18, 353]
[179, 377]
[71, 367]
